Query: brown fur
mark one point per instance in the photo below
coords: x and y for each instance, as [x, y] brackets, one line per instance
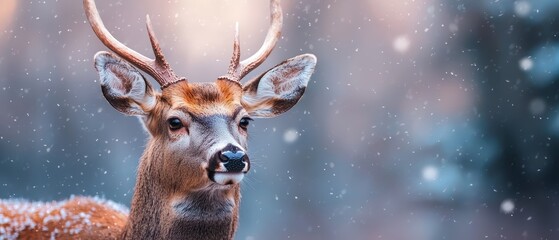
[204, 99]
[178, 193]
[167, 188]
[173, 198]
[164, 182]
[76, 218]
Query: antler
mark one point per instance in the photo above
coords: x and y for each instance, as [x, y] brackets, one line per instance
[158, 68]
[237, 70]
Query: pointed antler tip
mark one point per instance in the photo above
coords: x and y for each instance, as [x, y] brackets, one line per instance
[148, 22]
[158, 68]
[237, 31]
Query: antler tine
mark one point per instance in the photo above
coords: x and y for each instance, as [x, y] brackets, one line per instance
[158, 68]
[165, 72]
[154, 43]
[274, 33]
[237, 70]
[236, 53]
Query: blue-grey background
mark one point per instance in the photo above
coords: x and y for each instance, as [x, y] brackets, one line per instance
[425, 119]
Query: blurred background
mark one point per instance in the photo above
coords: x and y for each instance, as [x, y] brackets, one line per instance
[425, 119]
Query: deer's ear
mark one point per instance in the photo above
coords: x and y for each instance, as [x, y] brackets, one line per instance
[123, 85]
[280, 88]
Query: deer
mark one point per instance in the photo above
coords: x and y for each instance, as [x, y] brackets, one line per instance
[189, 175]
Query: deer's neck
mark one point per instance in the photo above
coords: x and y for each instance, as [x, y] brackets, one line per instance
[160, 213]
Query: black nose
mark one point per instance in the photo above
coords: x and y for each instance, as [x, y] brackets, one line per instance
[227, 156]
[233, 158]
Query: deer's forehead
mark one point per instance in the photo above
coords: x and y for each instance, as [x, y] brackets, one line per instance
[204, 99]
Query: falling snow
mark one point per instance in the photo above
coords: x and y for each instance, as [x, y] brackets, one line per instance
[290, 135]
[522, 8]
[401, 44]
[57, 219]
[425, 119]
[507, 206]
[526, 64]
[430, 173]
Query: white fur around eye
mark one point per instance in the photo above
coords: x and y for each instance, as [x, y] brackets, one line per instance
[180, 137]
[179, 140]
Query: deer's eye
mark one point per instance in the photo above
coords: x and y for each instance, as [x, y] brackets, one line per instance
[245, 122]
[175, 124]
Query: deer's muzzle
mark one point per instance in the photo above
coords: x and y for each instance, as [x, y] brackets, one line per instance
[229, 165]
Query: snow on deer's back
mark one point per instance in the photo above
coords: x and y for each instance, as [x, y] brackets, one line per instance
[75, 218]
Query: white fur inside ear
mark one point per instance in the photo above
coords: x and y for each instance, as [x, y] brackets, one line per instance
[295, 72]
[121, 81]
[285, 82]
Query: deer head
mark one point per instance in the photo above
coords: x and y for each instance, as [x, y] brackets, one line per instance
[188, 178]
[200, 128]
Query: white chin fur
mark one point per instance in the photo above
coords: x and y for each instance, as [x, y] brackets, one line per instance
[228, 178]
